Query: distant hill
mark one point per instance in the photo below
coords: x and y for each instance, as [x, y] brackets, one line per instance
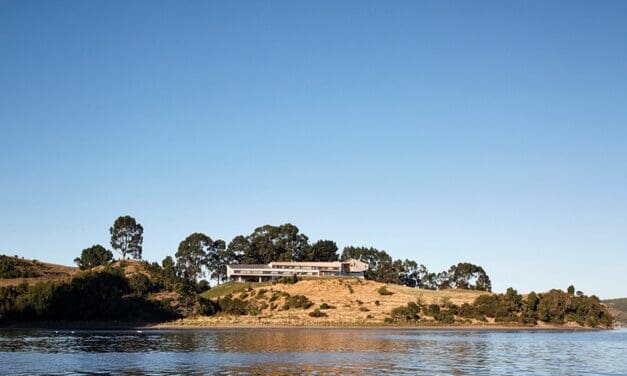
[15, 270]
[618, 307]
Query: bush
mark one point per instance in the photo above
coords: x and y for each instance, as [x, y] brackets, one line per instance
[297, 301]
[408, 313]
[431, 310]
[377, 303]
[364, 309]
[237, 306]
[202, 286]
[317, 313]
[384, 291]
[326, 306]
[139, 284]
[445, 317]
[288, 280]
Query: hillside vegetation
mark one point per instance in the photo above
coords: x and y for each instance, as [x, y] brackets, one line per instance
[356, 302]
[618, 307]
[14, 271]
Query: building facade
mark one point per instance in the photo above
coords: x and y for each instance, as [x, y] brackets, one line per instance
[278, 269]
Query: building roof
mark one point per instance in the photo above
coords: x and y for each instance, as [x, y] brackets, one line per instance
[307, 263]
[250, 266]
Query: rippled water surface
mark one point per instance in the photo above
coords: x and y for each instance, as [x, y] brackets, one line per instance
[313, 351]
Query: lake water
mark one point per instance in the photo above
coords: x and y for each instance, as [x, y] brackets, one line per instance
[313, 351]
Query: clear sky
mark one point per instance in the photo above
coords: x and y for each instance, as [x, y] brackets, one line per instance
[488, 132]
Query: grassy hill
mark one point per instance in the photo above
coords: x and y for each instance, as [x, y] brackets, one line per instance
[618, 307]
[353, 301]
[15, 270]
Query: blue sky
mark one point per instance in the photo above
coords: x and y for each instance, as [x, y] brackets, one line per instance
[488, 132]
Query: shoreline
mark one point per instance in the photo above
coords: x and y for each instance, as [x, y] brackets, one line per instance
[112, 326]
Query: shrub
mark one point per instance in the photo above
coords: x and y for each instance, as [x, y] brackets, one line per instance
[384, 291]
[350, 288]
[326, 306]
[377, 303]
[288, 280]
[202, 286]
[431, 310]
[261, 293]
[275, 296]
[297, 301]
[445, 317]
[408, 313]
[317, 313]
[364, 309]
[139, 284]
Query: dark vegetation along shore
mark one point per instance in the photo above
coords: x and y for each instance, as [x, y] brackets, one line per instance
[395, 292]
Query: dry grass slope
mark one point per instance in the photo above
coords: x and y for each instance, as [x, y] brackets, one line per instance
[357, 302]
[46, 272]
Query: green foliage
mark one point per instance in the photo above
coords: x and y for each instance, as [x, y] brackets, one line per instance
[202, 286]
[207, 307]
[237, 306]
[408, 313]
[571, 290]
[93, 256]
[445, 317]
[384, 291]
[465, 276]
[89, 296]
[296, 301]
[322, 250]
[192, 256]
[326, 306]
[139, 284]
[431, 310]
[12, 267]
[127, 237]
[288, 280]
[271, 243]
[317, 313]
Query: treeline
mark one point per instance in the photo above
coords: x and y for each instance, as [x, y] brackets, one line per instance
[554, 307]
[198, 255]
[91, 296]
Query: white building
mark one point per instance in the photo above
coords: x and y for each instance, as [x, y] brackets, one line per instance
[278, 269]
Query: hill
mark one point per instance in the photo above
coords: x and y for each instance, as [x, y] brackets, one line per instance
[618, 307]
[340, 302]
[15, 270]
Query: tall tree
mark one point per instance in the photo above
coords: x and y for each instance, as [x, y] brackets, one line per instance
[192, 256]
[322, 250]
[240, 248]
[127, 237]
[93, 256]
[275, 243]
[218, 258]
[465, 276]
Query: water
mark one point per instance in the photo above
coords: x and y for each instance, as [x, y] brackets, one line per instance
[313, 351]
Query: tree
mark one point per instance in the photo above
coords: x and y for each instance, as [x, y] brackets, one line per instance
[465, 276]
[192, 256]
[240, 248]
[127, 237]
[93, 256]
[322, 250]
[219, 257]
[275, 243]
[571, 290]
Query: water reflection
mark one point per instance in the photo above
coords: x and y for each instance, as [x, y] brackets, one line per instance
[312, 351]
